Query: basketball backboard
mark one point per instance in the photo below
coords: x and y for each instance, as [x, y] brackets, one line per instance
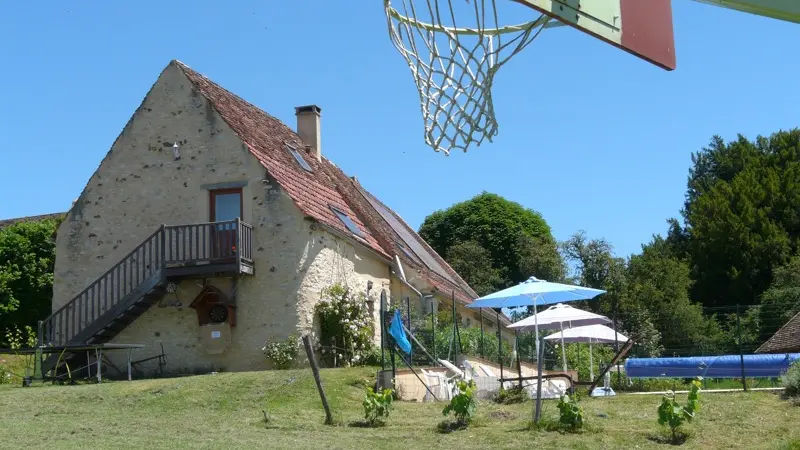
[454, 48]
[641, 27]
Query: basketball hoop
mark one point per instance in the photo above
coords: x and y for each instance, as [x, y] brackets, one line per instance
[453, 66]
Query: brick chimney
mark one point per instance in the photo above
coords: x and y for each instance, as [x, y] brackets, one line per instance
[308, 127]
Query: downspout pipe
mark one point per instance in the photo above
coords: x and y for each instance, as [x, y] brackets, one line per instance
[399, 267]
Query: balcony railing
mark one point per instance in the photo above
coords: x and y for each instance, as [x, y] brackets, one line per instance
[208, 243]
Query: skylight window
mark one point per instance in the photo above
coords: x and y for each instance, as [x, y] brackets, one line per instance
[347, 221]
[405, 251]
[299, 158]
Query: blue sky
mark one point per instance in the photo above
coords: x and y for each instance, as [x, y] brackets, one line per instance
[591, 137]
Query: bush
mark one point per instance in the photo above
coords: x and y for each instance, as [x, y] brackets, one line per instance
[570, 413]
[674, 415]
[791, 380]
[377, 405]
[346, 325]
[463, 404]
[372, 358]
[13, 366]
[511, 396]
[282, 354]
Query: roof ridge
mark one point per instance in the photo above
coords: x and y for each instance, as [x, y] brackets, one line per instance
[184, 67]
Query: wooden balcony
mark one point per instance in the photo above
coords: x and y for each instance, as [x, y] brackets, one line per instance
[208, 249]
[129, 287]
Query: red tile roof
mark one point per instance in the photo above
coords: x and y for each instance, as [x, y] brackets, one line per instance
[313, 192]
[785, 340]
[265, 137]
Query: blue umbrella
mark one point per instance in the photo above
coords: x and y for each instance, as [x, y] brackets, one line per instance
[535, 292]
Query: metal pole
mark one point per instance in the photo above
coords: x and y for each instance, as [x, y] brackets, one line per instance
[499, 347]
[433, 331]
[480, 311]
[616, 342]
[383, 328]
[408, 321]
[540, 353]
[741, 352]
[519, 363]
[455, 330]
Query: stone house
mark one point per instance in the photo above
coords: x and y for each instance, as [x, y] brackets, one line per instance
[210, 227]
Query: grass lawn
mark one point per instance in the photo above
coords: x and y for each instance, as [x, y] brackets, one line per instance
[225, 411]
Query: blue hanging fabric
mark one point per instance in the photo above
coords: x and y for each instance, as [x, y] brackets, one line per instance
[398, 333]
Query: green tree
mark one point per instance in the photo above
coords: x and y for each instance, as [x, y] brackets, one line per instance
[660, 283]
[27, 256]
[474, 263]
[518, 240]
[742, 216]
[596, 266]
[781, 301]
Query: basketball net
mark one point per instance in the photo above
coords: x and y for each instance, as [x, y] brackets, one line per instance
[453, 67]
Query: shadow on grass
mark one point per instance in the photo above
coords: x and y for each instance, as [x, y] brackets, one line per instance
[365, 424]
[668, 439]
[502, 415]
[447, 426]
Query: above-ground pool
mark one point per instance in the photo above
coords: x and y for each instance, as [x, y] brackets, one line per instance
[720, 366]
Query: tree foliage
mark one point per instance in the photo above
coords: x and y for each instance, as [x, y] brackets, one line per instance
[781, 301]
[516, 242]
[27, 257]
[742, 216]
[474, 264]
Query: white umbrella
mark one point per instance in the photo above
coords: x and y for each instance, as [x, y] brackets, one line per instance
[592, 334]
[559, 317]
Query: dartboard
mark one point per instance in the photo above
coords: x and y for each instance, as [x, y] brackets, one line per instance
[218, 313]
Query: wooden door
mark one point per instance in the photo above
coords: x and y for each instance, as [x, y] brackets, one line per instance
[226, 206]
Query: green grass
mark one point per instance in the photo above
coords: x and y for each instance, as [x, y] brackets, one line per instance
[225, 411]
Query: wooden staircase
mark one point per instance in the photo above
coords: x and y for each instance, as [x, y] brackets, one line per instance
[123, 293]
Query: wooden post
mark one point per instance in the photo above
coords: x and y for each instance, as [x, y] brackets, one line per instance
[238, 244]
[98, 356]
[163, 242]
[315, 371]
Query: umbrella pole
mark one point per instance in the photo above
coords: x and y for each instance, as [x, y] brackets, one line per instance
[499, 347]
[563, 351]
[538, 408]
[591, 361]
